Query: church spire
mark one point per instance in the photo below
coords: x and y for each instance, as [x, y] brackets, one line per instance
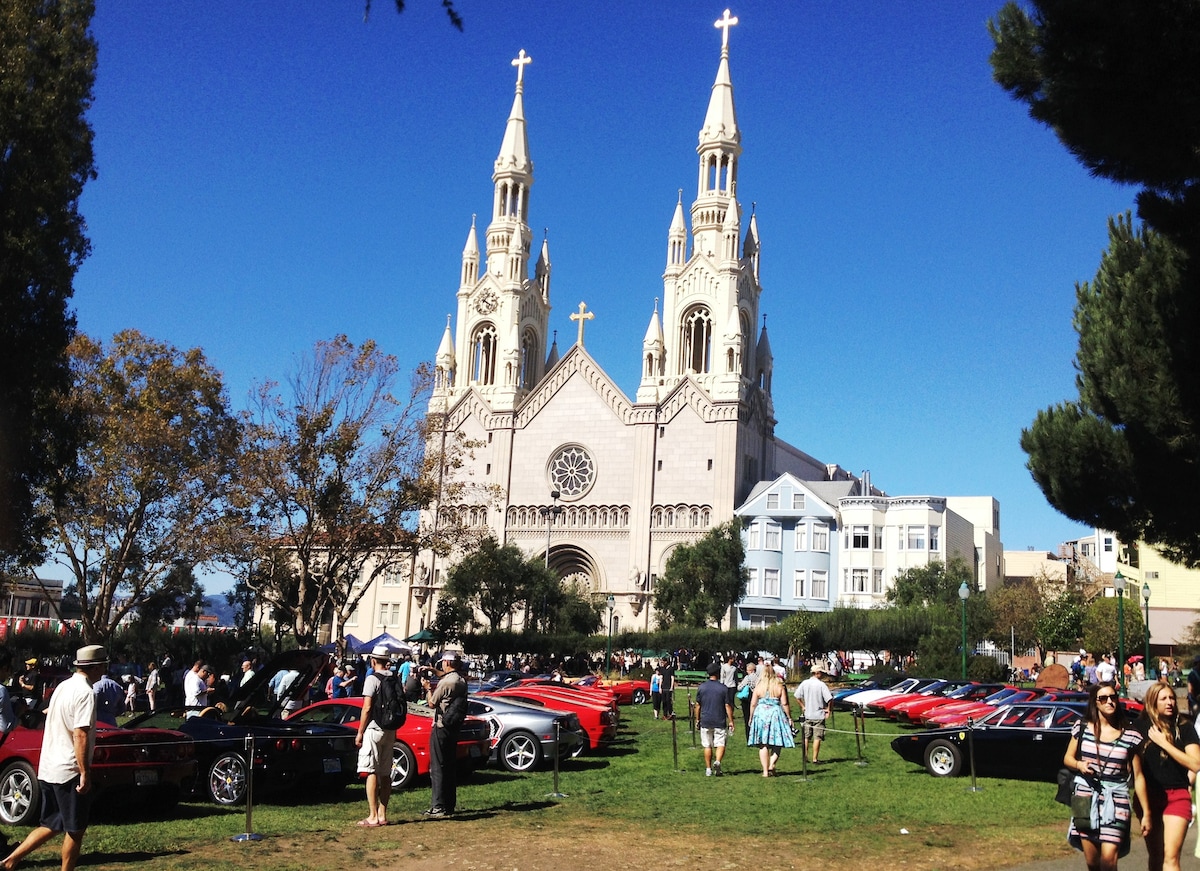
[512, 178]
[719, 148]
[470, 258]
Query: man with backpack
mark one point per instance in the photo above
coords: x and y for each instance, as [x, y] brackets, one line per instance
[377, 735]
[448, 700]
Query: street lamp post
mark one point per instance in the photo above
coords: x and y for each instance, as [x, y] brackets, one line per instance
[548, 512]
[612, 603]
[1146, 628]
[964, 593]
[1119, 586]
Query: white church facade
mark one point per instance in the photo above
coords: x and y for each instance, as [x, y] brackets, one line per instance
[609, 485]
[604, 486]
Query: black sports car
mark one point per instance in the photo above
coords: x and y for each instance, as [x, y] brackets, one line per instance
[319, 757]
[1025, 741]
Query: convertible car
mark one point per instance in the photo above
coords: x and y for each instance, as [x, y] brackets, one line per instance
[1024, 740]
[317, 757]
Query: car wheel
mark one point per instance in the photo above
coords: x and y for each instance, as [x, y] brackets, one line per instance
[19, 796]
[227, 779]
[520, 751]
[404, 766]
[943, 759]
[640, 697]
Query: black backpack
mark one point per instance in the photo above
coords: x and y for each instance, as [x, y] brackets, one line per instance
[391, 708]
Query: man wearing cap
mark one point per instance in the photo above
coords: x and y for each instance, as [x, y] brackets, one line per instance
[815, 699]
[714, 715]
[65, 767]
[375, 743]
[32, 685]
[450, 689]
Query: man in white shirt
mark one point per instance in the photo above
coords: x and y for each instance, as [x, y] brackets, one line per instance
[1106, 672]
[195, 686]
[815, 699]
[65, 766]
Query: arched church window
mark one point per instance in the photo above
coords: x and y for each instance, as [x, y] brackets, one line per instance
[746, 362]
[483, 355]
[529, 358]
[697, 340]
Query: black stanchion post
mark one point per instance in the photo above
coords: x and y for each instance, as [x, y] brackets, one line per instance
[971, 754]
[860, 736]
[691, 717]
[249, 834]
[675, 744]
[557, 734]
[803, 753]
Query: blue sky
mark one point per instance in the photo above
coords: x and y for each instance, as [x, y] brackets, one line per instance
[273, 174]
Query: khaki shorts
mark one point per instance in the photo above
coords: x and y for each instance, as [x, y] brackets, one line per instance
[814, 730]
[713, 737]
[375, 755]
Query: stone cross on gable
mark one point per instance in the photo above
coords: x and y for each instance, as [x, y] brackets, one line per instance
[582, 316]
[522, 59]
[723, 24]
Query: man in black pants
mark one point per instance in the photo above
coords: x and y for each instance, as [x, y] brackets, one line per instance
[448, 700]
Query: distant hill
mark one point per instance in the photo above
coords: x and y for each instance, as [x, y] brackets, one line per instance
[219, 608]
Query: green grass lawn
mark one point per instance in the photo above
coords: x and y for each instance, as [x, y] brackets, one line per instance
[635, 786]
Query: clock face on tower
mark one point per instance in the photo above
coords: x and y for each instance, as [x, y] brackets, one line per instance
[485, 303]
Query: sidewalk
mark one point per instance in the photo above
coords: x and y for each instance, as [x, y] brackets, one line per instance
[1135, 859]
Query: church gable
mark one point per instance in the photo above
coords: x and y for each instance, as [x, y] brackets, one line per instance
[576, 363]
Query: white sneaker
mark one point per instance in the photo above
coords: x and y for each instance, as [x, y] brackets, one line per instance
[708, 772]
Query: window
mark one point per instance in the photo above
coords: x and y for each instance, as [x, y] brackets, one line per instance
[858, 580]
[697, 336]
[383, 615]
[879, 538]
[772, 501]
[916, 538]
[483, 355]
[801, 536]
[934, 534]
[752, 586]
[752, 536]
[771, 583]
[797, 501]
[1108, 544]
[771, 540]
[877, 582]
[799, 583]
[820, 585]
[352, 620]
[820, 537]
[395, 614]
[860, 537]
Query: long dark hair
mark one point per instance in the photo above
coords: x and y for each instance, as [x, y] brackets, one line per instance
[1093, 709]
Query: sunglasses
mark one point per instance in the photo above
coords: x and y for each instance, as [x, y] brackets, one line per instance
[1103, 699]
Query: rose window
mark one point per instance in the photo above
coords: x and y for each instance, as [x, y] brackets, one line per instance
[572, 471]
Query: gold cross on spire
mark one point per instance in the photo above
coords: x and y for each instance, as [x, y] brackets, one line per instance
[582, 316]
[723, 24]
[522, 59]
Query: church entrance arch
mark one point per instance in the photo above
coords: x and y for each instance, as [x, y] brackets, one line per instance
[574, 564]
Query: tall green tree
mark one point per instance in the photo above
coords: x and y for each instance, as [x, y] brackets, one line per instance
[1117, 83]
[703, 581]
[157, 456]
[1016, 609]
[1101, 627]
[494, 580]
[47, 70]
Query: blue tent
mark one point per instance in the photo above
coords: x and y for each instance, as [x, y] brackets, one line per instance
[387, 640]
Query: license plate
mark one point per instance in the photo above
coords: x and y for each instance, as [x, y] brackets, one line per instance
[145, 777]
[333, 766]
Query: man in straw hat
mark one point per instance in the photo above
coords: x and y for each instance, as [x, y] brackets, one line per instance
[65, 768]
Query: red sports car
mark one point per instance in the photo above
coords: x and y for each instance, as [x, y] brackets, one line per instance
[628, 692]
[410, 757]
[146, 767]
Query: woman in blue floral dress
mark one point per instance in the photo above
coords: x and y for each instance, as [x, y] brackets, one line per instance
[1103, 754]
[770, 719]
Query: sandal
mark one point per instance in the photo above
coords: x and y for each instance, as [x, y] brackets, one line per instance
[368, 824]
